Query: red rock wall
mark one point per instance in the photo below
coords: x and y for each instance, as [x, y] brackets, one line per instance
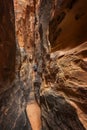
[68, 26]
[50, 88]
[12, 101]
[7, 44]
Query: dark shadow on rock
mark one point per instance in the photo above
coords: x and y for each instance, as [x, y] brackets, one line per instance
[58, 114]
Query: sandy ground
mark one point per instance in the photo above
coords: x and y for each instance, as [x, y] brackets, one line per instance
[34, 115]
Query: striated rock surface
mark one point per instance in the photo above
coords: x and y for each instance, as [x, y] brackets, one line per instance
[43, 70]
[66, 78]
[12, 110]
[65, 85]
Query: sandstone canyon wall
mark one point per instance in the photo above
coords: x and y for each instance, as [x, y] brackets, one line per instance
[12, 111]
[43, 65]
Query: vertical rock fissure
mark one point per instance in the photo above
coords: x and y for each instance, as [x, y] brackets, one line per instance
[36, 67]
[48, 90]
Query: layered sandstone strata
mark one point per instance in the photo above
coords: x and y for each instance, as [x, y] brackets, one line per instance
[44, 65]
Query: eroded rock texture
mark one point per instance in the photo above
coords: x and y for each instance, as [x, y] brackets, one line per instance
[44, 81]
[12, 110]
[66, 72]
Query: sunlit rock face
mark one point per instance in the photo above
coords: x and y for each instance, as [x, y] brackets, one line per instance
[49, 91]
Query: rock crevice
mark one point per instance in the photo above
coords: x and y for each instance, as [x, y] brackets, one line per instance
[43, 59]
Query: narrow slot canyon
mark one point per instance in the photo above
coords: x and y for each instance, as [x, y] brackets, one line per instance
[43, 65]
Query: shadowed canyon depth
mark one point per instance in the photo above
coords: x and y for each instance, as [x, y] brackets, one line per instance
[43, 64]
